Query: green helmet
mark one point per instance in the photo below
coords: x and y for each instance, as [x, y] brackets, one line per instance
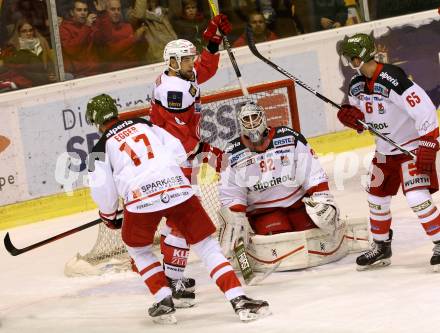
[100, 109]
[359, 45]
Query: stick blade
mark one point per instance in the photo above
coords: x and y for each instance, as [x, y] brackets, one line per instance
[259, 278]
[10, 247]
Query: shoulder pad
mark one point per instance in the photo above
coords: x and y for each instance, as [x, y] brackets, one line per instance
[394, 78]
[97, 154]
[143, 121]
[99, 147]
[234, 146]
[357, 85]
[158, 80]
[119, 126]
[235, 152]
[283, 132]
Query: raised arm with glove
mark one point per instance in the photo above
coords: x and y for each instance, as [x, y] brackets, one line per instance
[218, 25]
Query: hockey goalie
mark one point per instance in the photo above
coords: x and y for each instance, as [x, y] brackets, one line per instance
[275, 197]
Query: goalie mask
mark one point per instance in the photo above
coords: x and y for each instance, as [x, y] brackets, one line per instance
[178, 49]
[253, 122]
[100, 109]
[358, 46]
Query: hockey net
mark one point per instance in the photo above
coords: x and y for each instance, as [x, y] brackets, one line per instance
[218, 126]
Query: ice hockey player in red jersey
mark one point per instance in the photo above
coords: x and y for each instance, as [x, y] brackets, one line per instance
[273, 176]
[175, 108]
[383, 96]
[140, 163]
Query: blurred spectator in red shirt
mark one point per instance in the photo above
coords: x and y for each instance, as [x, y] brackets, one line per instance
[259, 29]
[10, 78]
[78, 35]
[117, 40]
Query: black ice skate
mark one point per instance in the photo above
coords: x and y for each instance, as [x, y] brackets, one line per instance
[435, 259]
[183, 291]
[249, 309]
[378, 256]
[163, 312]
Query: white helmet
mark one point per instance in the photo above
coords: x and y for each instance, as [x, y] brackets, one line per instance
[177, 49]
[253, 122]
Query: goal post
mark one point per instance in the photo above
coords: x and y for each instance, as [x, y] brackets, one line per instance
[218, 126]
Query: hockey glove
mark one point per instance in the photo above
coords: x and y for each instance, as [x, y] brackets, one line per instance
[219, 22]
[222, 22]
[349, 116]
[323, 211]
[236, 226]
[112, 221]
[426, 154]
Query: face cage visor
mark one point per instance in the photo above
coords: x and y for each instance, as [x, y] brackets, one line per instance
[253, 126]
[348, 62]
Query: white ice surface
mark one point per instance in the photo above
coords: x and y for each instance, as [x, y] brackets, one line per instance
[35, 296]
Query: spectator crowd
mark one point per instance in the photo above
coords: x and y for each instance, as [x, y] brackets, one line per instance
[107, 35]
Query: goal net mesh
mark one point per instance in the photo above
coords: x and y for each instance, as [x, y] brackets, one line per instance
[218, 126]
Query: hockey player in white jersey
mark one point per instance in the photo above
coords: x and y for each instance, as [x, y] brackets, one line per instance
[273, 184]
[175, 107]
[140, 163]
[383, 96]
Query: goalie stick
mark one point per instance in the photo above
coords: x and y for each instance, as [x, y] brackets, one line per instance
[247, 271]
[239, 250]
[254, 50]
[15, 251]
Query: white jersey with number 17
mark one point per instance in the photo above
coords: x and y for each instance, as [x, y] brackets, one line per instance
[139, 162]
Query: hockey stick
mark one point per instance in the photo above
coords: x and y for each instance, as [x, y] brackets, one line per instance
[15, 252]
[239, 251]
[243, 262]
[259, 278]
[247, 271]
[254, 50]
[230, 53]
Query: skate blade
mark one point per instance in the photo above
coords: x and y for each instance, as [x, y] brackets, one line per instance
[377, 264]
[183, 303]
[436, 268]
[167, 319]
[191, 289]
[247, 315]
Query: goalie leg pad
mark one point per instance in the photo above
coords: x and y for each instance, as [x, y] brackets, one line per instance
[296, 250]
[357, 234]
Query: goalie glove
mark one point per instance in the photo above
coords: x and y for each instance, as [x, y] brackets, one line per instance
[236, 226]
[113, 220]
[322, 209]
